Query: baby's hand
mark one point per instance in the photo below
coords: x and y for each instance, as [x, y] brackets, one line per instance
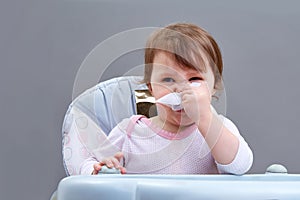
[110, 162]
[196, 101]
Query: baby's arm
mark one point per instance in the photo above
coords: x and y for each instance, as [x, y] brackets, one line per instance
[86, 167]
[224, 141]
[229, 149]
[107, 153]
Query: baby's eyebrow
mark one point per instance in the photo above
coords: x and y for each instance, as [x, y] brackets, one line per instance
[195, 73]
[168, 74]
[196, 76]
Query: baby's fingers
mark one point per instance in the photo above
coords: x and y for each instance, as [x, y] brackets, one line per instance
[107, 162]
[97, 168]
[123, 170]
[115, 163]
[119, 156]
[111, 162]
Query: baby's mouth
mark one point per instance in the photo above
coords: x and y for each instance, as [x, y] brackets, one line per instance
[180, 111]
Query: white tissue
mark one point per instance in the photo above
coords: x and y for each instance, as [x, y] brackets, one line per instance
[172, 100]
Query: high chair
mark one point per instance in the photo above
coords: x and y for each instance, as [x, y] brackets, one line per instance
[105, 105]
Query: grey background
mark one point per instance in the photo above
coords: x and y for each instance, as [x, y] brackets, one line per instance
[43, 43]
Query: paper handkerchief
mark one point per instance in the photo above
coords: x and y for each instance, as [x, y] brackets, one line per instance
[172, 100]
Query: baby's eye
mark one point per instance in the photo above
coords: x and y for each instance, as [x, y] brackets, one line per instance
[193, 79]
[169, 80]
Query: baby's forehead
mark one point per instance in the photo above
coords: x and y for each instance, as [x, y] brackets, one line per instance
[175, 68]
[172, 61]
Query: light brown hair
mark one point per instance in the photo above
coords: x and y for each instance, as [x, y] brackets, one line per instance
[190, 45]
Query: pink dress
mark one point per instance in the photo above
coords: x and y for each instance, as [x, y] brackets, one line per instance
[150, 150]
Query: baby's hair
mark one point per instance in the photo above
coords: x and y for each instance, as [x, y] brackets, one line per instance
[189, 45]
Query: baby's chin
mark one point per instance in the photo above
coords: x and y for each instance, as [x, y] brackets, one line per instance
[179, 116]
[186, 124]
[184, 121]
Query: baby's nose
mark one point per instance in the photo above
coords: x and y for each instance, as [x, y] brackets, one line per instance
[179, 87]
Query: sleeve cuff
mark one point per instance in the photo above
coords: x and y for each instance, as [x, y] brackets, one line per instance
[240, 164]
[88, 167]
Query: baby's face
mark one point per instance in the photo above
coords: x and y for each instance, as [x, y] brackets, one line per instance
[167, 76]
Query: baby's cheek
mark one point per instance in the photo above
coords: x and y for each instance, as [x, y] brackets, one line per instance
[160, 92]
[162, 111]
[209, 87]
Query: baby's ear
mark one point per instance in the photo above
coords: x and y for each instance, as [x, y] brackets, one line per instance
[213, 92]
[149, 87]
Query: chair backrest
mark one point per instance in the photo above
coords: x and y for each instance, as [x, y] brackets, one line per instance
[105, 104]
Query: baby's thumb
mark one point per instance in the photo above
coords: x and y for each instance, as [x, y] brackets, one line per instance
[119, 156]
